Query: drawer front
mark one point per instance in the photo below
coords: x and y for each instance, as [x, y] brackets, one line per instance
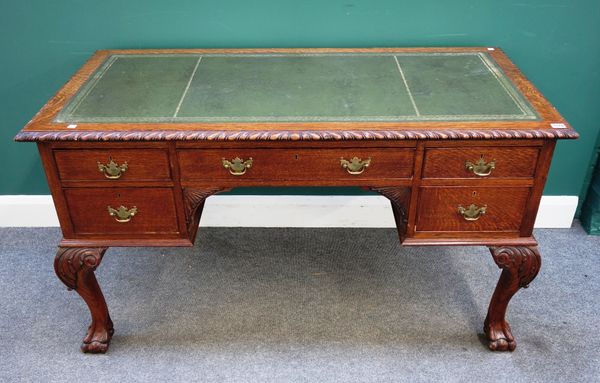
[127, 165]
[439, 208]
[305, 164]
[509, 162]
[155, 210]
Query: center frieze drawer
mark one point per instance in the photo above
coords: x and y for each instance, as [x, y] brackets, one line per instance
[316, 164]
[113, 165]
[122, 211]
[455, 209]
[480, 162]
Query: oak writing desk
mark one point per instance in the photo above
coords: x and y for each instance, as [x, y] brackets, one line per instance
[456, 138]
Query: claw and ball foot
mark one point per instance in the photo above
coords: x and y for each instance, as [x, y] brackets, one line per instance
[75, 268]
[520, 266]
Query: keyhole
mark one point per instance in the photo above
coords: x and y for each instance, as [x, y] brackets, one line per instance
[118, 195]
[295, 156]
[474, 194]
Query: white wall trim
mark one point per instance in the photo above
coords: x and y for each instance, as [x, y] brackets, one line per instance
[27, 211]
[556, 212]
[278, 211]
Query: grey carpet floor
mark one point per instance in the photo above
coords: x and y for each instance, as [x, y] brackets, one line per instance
[299, 305]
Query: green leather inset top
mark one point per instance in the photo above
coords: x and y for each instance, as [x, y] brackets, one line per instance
[462, 86]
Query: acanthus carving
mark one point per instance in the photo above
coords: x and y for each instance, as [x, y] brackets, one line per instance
[520, 265]
[400, 199]
[71, 262]
[524, 262]
[193, 202]
[75, 268]
[397, 195]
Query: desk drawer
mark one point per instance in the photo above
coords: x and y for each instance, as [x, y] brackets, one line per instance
[127, 165]
[302, 164]
[439, 208]
[154, 210]
[505, 162]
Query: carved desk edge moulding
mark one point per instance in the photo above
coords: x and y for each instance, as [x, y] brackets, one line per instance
[309, 135]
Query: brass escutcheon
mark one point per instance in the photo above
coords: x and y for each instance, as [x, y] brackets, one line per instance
[481, 168]
[122, 214]
[472, 213]
[237, 166]
[355, 165]
[112, 170]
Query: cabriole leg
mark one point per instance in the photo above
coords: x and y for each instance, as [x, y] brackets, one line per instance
[75, 268]
[520, 266]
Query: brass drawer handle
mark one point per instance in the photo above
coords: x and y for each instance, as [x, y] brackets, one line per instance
[237, 166]
[472, 213]
[122, 214]
[112, 170]
[481, 168]
[355, 165]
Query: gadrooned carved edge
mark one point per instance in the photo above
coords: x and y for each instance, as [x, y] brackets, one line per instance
[293, 135]
[69, 261]
[524, 261]
[193, 198]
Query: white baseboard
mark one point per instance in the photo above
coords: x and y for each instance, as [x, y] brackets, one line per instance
[278, 211]
[27, 211]
[556, 212]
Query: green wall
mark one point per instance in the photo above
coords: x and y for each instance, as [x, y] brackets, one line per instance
[554, 42]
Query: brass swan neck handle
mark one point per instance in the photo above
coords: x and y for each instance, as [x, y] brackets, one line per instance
[237, 166]
[355, 165]
[472, 213]
[112, 170]
[481, 168]
[122, 214]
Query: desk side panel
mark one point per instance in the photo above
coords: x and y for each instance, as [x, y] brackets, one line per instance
[52, 176]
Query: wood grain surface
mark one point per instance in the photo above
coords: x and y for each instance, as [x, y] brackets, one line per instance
[517, 162]
[438, 208]
[301, 164]
[156, 216]
[142, 164]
